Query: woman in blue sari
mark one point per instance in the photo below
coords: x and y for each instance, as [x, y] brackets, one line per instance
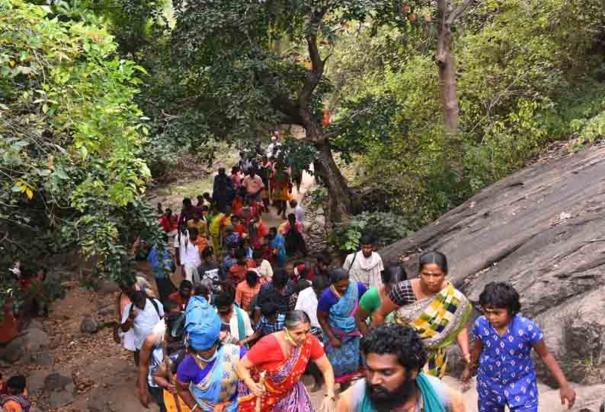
[206, 379]
[336, 310]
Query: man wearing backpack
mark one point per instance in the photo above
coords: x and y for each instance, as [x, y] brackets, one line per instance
[141, 315]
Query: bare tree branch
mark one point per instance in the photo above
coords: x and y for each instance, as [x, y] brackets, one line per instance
[288, 108]
[317, 64]
[459, 11]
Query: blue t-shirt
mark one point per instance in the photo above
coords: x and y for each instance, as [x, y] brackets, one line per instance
[505, 364]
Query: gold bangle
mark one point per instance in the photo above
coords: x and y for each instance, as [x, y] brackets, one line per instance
[196, 405]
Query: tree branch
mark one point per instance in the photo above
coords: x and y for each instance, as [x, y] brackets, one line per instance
[317, 64]
[287, 107]
[459, 11]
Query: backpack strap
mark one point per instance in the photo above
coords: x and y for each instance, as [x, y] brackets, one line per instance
[155, 306]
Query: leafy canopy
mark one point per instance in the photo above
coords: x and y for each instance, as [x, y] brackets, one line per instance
[70, 141]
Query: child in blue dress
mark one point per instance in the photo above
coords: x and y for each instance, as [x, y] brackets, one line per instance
[503, 343]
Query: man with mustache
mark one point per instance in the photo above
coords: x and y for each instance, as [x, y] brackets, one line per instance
[394, 381]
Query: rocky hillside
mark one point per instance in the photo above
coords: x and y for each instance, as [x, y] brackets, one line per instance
[543, 230]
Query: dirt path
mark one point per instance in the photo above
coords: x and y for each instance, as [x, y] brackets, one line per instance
[272, 219]
[105, 376]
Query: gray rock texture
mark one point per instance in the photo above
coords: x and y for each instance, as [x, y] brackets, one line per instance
[543, 230]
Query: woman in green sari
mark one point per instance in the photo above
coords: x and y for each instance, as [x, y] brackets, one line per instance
[434, 308]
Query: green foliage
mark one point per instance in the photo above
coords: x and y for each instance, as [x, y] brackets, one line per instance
[251, 62]
[528, 73]
[366, 122]
[317, 197]
[298, 154]
[385, 228]
[71, 140]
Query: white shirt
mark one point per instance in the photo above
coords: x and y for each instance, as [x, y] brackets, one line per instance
[234, 327]
[145, 320]
[265, 270]
[299, 212]
[189, 253]
[365, 270]
[270, 149]
[307, 302]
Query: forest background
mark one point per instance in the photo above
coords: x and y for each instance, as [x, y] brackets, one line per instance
[422, 103]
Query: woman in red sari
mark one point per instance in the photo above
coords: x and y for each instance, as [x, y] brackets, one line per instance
[284, 356]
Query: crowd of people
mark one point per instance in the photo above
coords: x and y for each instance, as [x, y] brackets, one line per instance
[252, 316]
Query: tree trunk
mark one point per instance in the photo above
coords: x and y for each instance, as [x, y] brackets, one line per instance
[447, 75]
[327, 171]
[338, 191]
[452, 147]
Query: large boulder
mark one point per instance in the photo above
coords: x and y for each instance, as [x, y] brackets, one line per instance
[58, 390]
[543, 230]
[26, 345]
[89, 325]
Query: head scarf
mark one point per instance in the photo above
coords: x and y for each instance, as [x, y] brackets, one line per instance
[202, 324]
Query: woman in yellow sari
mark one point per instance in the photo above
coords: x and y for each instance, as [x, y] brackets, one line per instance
[434, 308]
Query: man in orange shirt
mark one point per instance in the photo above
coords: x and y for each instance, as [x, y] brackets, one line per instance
[17, 399]
[237, 273]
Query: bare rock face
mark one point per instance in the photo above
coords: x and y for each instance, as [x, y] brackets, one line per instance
[543, 230]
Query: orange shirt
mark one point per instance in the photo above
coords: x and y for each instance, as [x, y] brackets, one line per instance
[237, 274]
[239, 228]
[244, 294]
[237, 205]
[201, 243]
[12, 406]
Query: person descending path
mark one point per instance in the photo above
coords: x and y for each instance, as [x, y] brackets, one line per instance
[253, 184]
[434, 308]
[336, 314]
[503, 343]
[282, 358]
[307, 302]
[394, 381]
[292, 231]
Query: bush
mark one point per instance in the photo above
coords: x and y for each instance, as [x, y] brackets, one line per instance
[384, 227]
[71, 143]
